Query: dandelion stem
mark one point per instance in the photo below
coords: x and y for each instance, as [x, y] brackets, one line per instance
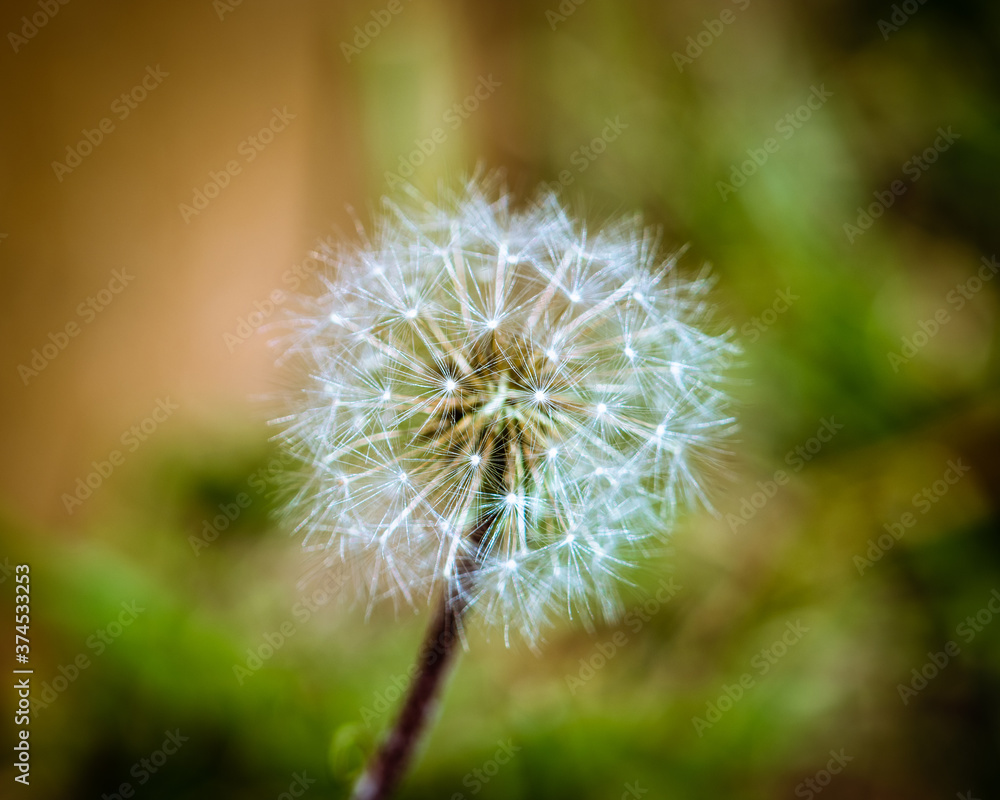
[389, 764]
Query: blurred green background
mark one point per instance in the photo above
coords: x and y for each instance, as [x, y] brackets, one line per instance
[836, 162]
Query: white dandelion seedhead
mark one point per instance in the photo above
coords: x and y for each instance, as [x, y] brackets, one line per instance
[499, 388]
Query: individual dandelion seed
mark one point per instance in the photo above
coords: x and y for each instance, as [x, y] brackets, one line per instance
[501, 411]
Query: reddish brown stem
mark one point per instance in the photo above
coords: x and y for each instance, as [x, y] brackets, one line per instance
[389, 764]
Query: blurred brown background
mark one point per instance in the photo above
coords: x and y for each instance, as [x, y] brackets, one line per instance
[277, 118]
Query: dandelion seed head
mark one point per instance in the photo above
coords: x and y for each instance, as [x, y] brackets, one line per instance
[423, 419]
